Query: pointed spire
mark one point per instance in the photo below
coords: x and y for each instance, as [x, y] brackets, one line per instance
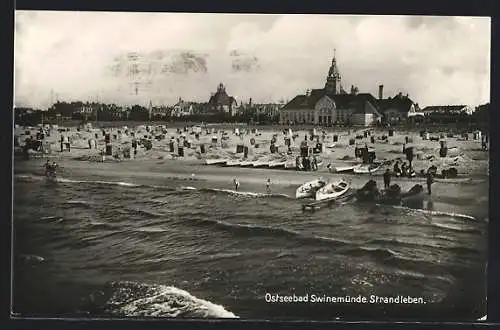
[333, 80]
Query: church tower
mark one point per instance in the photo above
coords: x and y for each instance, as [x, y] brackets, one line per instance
[333, 84]
[221, 88]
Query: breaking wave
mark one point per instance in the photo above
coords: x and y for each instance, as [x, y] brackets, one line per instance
[149, 300]
[244, 193]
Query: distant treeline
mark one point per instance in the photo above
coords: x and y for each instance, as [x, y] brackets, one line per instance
[79, 111]
[93, 112]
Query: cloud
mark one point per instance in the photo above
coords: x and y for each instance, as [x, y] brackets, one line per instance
[437, 60]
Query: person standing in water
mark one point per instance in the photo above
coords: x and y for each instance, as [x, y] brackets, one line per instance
[236, 184]
[430, 181]
[47, 168]
[268, 185]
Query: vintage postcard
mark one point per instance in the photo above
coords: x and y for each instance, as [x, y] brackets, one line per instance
[267, 167]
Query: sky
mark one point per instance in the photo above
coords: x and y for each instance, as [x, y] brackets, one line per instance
[69, 56]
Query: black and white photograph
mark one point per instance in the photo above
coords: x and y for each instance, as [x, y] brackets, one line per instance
[298, 167]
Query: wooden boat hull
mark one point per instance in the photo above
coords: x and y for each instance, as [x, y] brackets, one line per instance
[309, 189]
[363, 169]
[215, 161]
[333, 190]
[277, 164]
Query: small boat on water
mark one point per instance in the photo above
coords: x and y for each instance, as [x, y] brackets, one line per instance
[310, 188]
[332, 190]
[391, 196]
[217, 161]
[366, 168]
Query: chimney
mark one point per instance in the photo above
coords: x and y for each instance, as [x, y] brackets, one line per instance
[250, 102]
[380, 92]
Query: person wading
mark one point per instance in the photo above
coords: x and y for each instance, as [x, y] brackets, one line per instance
[268, 185]
[387, 179]
[236, 184]
[48, 168]
[430, 181]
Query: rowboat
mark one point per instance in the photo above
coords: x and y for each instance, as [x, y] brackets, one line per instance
[218, 161]
[277, 164]
[332, 190]
[366, 168]
[342, 169]
[233, 163]
[310, 188]
[246, 163]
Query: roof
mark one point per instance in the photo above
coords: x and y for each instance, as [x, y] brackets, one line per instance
[221, 98]
[398, 102]
[364, 105]
[444, 108]
[308, 102]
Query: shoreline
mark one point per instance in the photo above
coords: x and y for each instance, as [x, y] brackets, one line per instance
[155, 163]
[463, 197]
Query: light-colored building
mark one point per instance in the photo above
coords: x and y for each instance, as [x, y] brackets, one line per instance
[85, 109]
[331, 105]
[182, 109]
[260, 109]
[160, 112]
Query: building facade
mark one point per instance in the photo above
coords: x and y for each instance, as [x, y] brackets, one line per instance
[182, 109]
[331, 105]
[398, 108]
[221, 102]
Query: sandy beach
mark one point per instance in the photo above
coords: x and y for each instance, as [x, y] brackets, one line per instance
[158, 163]
[173, 233]
[465, 155]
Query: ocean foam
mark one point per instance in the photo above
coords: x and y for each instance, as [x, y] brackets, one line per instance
[245, 193]
[436, 213]
[163, 301]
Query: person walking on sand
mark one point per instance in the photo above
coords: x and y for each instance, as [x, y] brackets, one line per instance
[430, 181]
[387, 179]
[236, 184]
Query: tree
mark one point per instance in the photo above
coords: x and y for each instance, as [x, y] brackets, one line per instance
[138, 113]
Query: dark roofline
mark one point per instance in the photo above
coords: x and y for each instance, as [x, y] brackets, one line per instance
[445, 107]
